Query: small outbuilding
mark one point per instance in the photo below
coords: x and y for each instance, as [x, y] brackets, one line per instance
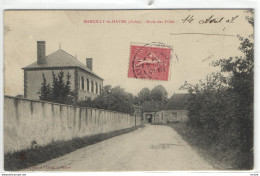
[150, 108]
[175, 110]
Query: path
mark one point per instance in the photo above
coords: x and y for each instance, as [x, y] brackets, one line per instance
[152, 148]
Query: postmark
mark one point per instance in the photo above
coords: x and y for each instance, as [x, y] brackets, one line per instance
[150, 61]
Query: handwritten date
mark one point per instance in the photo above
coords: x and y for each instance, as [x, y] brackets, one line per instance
[210, 20]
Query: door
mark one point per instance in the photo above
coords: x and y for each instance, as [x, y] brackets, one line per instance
[149, 118]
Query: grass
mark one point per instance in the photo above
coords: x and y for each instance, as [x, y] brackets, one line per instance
[228, 159]
[40, 154]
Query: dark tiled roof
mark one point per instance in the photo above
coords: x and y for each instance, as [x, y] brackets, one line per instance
[61, 59]
[152, 106]
[177, 101]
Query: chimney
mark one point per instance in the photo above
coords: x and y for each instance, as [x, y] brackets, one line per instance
[41, 52]
[89, 63]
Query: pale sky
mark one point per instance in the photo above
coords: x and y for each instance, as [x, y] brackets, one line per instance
[109, 44]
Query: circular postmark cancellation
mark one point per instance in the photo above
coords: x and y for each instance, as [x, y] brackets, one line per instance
[150, 61]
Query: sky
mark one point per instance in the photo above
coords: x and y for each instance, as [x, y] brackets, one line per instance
[109, 43]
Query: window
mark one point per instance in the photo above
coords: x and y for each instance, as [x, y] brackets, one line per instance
[82, 82]
[87, 85]
[79, 83]
[100, 89]
[96, 88]
[92, 86]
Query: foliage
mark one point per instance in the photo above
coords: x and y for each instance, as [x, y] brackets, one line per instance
[117, 99]
[159, 93]
[45, 91]
[114, 99]
[211, 108]
[144, 95]
[59, 92]
[222, 107]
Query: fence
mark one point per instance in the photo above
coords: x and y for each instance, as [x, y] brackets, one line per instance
[28, 122]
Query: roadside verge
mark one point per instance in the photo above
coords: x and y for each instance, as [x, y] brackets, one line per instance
[40, 154]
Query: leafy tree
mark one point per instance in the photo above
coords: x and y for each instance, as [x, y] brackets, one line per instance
[159, 93]
[222, 107]
[143, 95]
[114, 99]
[136, 101]
[241, 81]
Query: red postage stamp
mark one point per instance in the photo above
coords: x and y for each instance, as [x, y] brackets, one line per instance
[149, 62]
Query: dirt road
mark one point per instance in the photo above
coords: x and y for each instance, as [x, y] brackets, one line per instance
[152, 148]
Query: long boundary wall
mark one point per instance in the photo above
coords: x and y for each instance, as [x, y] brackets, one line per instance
[30, 122]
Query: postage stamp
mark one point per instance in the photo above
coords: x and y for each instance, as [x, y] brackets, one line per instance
[150, 61]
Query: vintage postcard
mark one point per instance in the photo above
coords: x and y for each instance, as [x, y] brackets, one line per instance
[129, 90]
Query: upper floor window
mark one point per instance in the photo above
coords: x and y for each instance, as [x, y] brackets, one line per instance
[96, 88]
[82, 82]
[87, 85]
[79, 82]
[92, 86]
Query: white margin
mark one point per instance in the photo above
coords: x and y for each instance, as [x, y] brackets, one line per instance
[136, 4]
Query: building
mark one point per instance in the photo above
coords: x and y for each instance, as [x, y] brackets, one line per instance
[84, 82]
[150, 108]
[175, 110]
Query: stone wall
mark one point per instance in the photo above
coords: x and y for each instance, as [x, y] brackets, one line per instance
[29, 121]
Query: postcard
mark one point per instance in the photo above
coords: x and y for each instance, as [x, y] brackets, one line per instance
[129, 90]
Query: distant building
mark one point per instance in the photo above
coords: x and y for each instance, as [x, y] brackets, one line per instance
[175, 110]
[84, 82]
[150, 108]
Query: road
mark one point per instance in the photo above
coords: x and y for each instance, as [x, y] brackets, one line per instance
[152, 148]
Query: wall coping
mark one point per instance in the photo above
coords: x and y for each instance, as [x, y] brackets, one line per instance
[48, 102]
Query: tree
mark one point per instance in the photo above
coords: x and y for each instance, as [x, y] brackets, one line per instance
[59, 92]
[55, 88]
[222, 107]
[114, 99]
[241, 81]
[143, 95]
[159, 93]
[45, 91]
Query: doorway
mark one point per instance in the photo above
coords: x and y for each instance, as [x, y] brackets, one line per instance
[149, 118]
